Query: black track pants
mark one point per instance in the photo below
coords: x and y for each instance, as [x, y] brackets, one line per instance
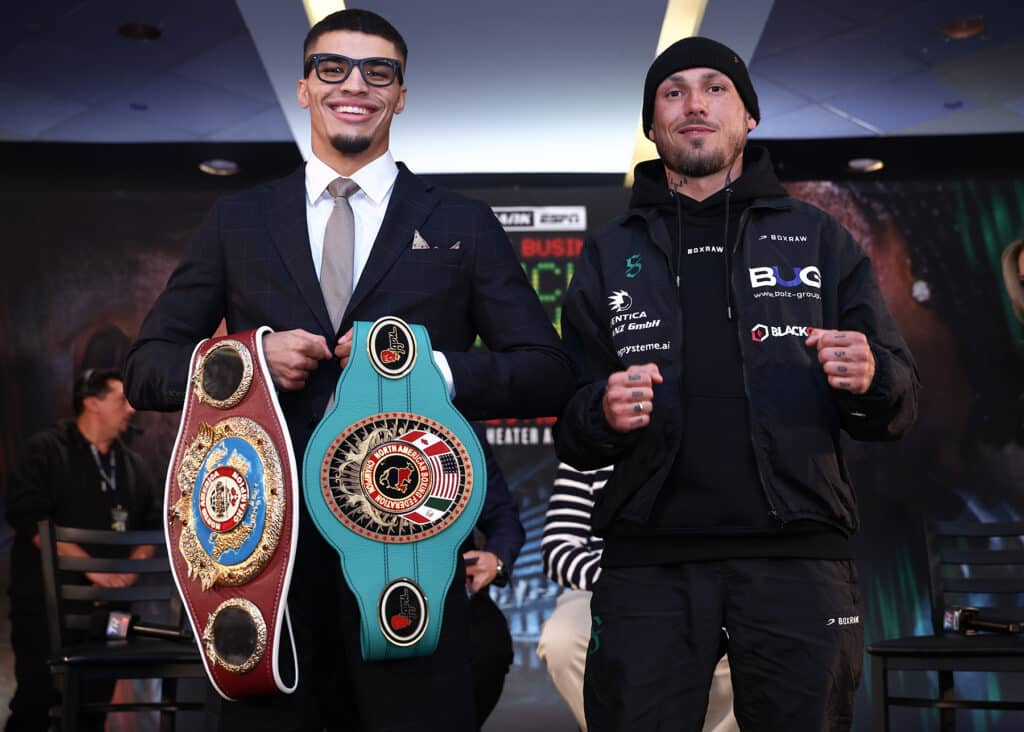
[795, 644]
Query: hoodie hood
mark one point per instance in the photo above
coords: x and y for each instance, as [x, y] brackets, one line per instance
[650, 187]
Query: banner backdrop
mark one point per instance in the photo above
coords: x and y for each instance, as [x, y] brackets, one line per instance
[81, 270]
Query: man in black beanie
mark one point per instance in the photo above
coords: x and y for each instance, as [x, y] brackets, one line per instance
[727, 334]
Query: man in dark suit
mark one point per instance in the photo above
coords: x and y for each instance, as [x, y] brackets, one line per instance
[421, 253]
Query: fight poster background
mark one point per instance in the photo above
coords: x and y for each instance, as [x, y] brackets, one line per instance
[81, 268]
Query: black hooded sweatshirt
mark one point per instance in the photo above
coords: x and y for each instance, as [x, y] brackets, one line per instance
[714, 504]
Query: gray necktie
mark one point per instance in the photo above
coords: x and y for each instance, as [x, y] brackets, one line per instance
[339, 249]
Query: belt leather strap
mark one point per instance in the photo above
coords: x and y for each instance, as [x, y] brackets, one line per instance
[394, 479]
[231, 518]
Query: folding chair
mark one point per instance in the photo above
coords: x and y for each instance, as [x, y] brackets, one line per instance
[970, 564]
[79, 656]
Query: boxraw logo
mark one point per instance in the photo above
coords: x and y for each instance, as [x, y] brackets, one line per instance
[797, 238]
[843, 620]
[542, 218]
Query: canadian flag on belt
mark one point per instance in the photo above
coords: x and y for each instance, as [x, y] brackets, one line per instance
[444, 472]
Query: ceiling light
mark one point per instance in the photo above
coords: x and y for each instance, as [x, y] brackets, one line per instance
[139, 31]
[960, 30]
[217, 166]
[865, 165]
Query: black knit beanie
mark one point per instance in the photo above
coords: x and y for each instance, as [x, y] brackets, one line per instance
[697, 52]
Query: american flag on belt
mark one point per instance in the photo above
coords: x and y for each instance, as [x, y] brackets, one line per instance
[445, 474]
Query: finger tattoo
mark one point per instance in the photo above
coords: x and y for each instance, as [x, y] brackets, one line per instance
[637, 394]
[839, 354]
[841, 369]
[633, 377]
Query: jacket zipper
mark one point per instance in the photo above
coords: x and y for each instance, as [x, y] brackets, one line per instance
[772, 510]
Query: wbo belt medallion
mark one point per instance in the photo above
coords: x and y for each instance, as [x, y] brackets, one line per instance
[231, 518]
[394, 479]
[231, 522]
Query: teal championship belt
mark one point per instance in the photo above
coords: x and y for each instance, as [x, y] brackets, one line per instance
[394, 479]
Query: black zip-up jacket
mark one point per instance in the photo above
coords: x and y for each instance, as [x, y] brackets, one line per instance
[792, 267]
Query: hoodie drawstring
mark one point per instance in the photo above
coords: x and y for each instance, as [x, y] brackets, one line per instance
[725, 247]
[679, 238]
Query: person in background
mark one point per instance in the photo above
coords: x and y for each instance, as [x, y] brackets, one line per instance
[1013, 276]
[79, 474]
[502, 536]
[572, 557]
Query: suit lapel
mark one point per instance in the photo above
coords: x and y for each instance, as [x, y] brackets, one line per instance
[286, 219]
[411, 203]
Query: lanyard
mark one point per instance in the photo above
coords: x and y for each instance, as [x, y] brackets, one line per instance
[109, 480]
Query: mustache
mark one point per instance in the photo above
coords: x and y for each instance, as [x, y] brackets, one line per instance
[693, 121]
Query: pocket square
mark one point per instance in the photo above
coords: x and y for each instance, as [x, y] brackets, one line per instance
[456, 245]
[418, 242]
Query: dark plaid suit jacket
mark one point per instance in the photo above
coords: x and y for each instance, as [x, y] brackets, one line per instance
[250, 263]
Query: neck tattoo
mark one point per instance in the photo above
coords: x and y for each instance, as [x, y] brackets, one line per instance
[677, 183]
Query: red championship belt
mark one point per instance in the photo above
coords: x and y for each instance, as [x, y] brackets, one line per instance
[231, 518]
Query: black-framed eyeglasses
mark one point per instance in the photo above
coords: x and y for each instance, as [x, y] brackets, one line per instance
[332, 68]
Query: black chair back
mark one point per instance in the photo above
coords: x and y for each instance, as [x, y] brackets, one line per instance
[78, 609]
[977, 565]
[72, 600]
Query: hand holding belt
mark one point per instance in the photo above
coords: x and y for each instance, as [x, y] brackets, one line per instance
[394, 479]
[231, 518]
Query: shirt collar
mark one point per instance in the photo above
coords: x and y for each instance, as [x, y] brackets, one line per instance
[375, 179]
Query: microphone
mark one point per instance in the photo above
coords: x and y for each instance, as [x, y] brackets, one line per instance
[118, 625]
[969, 620]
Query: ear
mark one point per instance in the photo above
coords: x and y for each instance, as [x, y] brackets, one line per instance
[302, 94]
[650, 134]
[751, 123]
[401, 100]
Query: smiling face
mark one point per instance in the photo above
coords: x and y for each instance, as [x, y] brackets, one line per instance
[700, 124]
[351, 121]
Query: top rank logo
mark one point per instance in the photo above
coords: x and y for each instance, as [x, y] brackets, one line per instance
[620, 301]
[392, 347]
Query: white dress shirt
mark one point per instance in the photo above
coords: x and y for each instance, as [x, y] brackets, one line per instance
[376, 181]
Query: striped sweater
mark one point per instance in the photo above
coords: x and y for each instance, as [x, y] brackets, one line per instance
[571, 554]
